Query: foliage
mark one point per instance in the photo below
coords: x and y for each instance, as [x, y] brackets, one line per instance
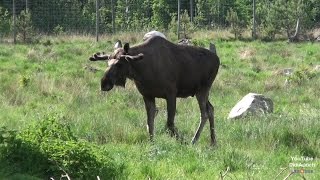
[58, 30]
[49, 149]
[235, 23]
[301, 75]
[24, 28]
[161, 14]
[280, 16]
[173, 26]
[79, 16]
[186, 26]
[4, 22]
[201, 20]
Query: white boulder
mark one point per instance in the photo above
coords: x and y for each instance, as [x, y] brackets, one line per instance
[252, 103]
[153, 33]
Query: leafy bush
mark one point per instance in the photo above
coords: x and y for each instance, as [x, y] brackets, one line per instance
[49, 149]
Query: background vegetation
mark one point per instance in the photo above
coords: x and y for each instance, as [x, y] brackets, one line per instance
[55, 119]
[273, 17]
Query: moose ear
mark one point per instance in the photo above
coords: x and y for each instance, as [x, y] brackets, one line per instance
[118, 44]
[133, 58]
[126, 47]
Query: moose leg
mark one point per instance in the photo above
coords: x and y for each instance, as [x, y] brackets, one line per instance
[210, 110]
[171, 109]
[202, 98]
[151, 111]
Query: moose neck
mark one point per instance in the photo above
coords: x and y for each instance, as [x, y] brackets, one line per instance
[136, 68]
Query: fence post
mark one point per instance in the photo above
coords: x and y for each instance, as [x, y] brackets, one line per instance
[113, 17]
[254, 20]
[191, 11]
[14, 21]
[97, 20]
[178, 20]
[27, 7]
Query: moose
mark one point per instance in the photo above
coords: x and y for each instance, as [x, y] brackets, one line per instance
[162, 69]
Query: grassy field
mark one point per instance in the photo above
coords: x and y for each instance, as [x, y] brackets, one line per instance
[53, 79]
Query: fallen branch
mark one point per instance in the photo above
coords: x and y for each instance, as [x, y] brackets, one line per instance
[280, 172]
[222, 175]
[288, 175]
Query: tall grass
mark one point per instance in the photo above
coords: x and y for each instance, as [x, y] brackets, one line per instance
[51, 77]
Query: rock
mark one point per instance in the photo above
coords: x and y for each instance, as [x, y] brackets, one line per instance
[287, 71]
[316, 68]
[252, 103]
[153, 33]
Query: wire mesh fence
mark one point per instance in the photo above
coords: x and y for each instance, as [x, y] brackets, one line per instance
[96, 17]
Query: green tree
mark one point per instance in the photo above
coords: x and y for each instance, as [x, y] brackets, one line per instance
[235, 23]
[4, 22]
[186, 25]
[280, 16]
[24, 27]
[201, 18]
[161, 14]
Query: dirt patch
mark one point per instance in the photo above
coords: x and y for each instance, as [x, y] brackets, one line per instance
[247, 53]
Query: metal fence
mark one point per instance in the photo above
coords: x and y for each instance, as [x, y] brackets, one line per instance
[96, 17]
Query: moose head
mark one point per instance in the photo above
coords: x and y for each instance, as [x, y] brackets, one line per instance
[118, 66]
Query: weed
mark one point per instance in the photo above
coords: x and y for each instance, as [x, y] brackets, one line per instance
[301, 75]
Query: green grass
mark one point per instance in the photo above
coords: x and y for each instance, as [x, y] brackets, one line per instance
[50, 78]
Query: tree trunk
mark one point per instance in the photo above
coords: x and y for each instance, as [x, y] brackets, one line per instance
[254, 34]
[295, 37]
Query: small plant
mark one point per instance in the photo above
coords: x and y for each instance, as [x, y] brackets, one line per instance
[235, 23]
[24, 81]
[58, 30]
[186, 25]
[24, 28]
[301, 75]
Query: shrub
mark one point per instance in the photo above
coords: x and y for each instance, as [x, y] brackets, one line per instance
[49, 149]
[58, 30]
[301, 75]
